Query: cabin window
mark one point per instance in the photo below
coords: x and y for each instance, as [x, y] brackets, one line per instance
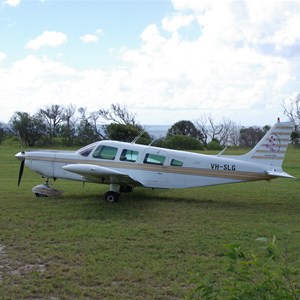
[176, 163]
[105, 152]
[129, 155]
[154, 159]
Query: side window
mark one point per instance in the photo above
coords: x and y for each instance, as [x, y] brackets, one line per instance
[105, 152]
[154, 159]
[176, 163]
[129, 155]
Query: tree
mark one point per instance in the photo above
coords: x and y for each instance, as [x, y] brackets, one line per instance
[94, 124]
[118, 115]
[30, 128]
[182, 142]
[224, 133]
[68, 129]
[250, 136]
[53, 115]
[292, 109]
[184, 127]
[2, 133]
[85, 132]
[127, 133]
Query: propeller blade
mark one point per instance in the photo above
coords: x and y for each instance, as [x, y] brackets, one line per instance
[21, 171]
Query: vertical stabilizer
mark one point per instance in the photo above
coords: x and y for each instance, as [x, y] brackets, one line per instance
[272, 147]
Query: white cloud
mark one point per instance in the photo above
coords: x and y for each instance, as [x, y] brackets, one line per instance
[12, 3]
[89, 38]
[92, 38]
[47, 39]
[174, 22]
[235, 67]
[227, 69]
[2, 56]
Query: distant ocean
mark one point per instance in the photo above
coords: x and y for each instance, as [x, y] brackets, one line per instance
[157, 130]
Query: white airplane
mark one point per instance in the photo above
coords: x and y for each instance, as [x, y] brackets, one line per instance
[125, 166]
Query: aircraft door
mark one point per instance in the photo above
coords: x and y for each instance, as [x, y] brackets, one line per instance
[154, 168]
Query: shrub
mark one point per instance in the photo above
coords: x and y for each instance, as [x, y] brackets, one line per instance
[182, 142]
[264, 274]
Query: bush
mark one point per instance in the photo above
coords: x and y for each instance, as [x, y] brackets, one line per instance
[264, 274]
[214, 145]
[182, 142]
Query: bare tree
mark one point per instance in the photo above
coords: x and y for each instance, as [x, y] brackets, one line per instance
[68, 129]
[292, 109]
[118, 115]
[234, 135]
[53, 115]
[209, 130]
[89, 124]
[229, 134]
[95, 124]
[225, 132]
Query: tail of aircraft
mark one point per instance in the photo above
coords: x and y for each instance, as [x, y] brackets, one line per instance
[271, 149]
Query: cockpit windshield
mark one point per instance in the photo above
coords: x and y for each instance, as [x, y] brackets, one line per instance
[85, 151]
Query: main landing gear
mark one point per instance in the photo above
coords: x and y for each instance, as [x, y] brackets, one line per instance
[115, 191]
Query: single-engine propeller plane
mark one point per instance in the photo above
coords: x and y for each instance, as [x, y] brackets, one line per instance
[124, 166]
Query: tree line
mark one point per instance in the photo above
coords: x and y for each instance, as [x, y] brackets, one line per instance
[56, 124]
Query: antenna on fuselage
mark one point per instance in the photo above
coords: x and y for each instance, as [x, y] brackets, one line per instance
[220, 153]
[136, 139]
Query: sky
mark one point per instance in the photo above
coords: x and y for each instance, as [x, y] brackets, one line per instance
[164, 60]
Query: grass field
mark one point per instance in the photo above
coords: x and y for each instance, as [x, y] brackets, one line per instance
[148, 246]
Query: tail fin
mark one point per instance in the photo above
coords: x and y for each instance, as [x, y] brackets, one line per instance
[271, 149]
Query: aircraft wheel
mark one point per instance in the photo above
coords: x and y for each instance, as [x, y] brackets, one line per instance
[126, 189]
[38, 195]
[111, 197]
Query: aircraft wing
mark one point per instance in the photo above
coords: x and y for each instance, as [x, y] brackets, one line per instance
[100, 174]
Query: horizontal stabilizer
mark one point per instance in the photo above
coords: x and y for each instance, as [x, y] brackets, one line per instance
[279, 174]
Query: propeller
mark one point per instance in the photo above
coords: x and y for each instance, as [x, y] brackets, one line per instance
[21, 171]
[21, 156]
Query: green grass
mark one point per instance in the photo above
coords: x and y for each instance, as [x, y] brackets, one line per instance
[148, 246]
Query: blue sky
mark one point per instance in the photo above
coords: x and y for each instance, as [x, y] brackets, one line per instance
[165, 60]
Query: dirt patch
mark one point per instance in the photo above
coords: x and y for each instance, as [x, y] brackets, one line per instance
[19, 269]
[4, 262]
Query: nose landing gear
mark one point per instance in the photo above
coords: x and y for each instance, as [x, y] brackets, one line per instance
[45, 190]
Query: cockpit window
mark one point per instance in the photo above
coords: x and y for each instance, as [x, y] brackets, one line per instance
[86, 150]
[154, 159]
[105, 152]
[129, 155]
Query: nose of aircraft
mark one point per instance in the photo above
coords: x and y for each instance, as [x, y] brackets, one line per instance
[20, 156]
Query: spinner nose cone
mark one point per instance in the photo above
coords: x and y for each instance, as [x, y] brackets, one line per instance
[20, 156]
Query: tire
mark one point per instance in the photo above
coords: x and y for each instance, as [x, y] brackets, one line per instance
[40, 195]
[111, 197]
